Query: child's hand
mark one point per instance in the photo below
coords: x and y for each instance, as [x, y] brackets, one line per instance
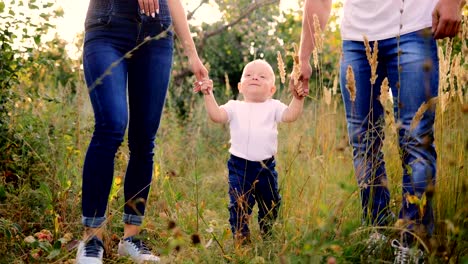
[205, 86]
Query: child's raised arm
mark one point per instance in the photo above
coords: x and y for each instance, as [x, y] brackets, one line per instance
[216, 114]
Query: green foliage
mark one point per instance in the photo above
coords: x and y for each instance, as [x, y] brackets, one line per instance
[47, 124]
[227, 51]
[34, 75]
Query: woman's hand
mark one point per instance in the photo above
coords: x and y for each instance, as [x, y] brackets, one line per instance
[149, 7]
[198, 69]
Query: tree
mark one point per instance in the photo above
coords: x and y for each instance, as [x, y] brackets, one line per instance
[226, 46]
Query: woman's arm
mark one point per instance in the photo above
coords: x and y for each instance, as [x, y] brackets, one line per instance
[182, 30]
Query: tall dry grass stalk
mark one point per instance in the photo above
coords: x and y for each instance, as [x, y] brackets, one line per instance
[318, 34]
[421, 110]
[228, 90]
[387, 104]
[327, 95]
[127, 55]
[281, 67]
[372, 58]
[296, 71]
[318, 41]
[384, 92]
[335, 85]
[351, 83]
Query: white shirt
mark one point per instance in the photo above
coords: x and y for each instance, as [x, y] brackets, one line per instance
[381, 19]
[253, 128]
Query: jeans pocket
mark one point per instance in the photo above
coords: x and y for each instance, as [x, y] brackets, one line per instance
[154, 26]
[97, 22]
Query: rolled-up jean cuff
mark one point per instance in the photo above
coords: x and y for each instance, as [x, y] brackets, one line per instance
[93, 222]
[133, 219]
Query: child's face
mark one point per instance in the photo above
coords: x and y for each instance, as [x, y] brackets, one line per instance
[258, 82]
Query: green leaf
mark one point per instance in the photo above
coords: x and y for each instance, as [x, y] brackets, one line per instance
[53, 254]
[37, 39]
[57, 244]
[2, 7]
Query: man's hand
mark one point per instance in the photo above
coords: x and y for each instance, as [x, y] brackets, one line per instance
[446, 18]
[149, 7]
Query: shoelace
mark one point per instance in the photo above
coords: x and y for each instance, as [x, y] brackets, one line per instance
[401, 252]
[93, 248]
[139, 245]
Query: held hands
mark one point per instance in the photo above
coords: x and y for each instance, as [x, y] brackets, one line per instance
[149, 7]
[198, 68]
[205, 86]
[300, 87]
[201, 74]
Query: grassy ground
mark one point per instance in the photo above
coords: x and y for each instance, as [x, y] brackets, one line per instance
[187, 216]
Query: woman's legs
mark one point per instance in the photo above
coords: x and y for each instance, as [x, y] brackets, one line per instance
[148, 79]
[110, 112]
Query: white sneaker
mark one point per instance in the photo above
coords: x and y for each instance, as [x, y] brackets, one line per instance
[90, 251]
[136, 250]
[404, 254]
[375, 243]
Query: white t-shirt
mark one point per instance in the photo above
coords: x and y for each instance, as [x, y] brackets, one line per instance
[253, 128]
[381, 19]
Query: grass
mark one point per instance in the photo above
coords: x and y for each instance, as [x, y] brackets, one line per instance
[187, 216]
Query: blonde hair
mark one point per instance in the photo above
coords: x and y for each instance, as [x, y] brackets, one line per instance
[264, 62]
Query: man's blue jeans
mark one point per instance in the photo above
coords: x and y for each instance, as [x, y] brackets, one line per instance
[413, 75]
[131, 93]
[252, 182]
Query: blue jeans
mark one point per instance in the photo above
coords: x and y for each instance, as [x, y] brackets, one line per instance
[251, 182]
[132, 94]
[416, 83]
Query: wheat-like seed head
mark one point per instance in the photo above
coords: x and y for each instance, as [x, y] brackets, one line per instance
[281, 67]
[296, 72]
[461, 79]
[315, 57]
[453, 70]
[421, 110]
[374, 62]
[228, 85]
[372, 58]
[384, 92]
[351, 83]
[384, 98]
[327, 95]
[443, 70]
[464, 37]
[444, 99]
[318, 39]
[335, 85]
